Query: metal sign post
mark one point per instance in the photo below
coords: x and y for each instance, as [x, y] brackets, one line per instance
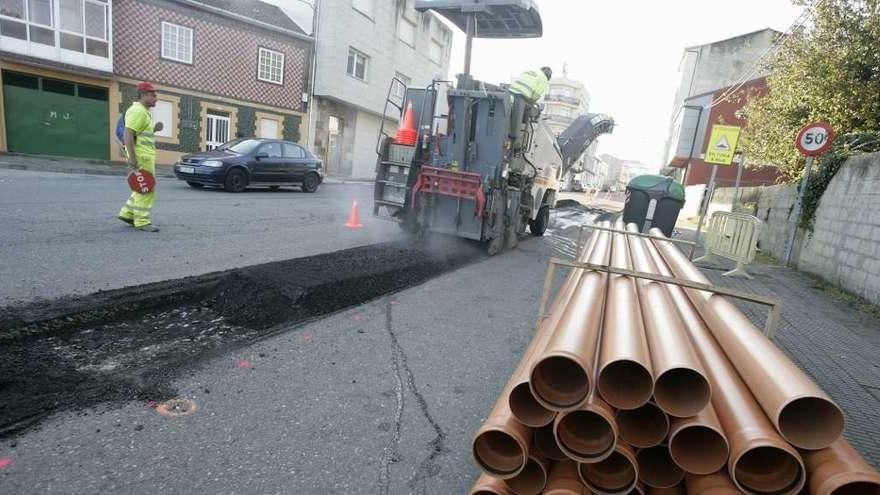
[722, 148]
[813, 140]
[740, 159]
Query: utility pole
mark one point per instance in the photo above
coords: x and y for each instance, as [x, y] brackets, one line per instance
[313, 73]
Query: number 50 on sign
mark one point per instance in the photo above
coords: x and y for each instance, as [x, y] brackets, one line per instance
[815, 139]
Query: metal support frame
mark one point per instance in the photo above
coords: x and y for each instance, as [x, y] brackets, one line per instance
[770, 326]
[580, 243]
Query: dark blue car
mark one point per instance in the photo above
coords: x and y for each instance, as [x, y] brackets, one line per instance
[252, 162]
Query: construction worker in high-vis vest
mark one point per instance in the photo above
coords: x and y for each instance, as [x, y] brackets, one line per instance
[140, 148]
[525, 91]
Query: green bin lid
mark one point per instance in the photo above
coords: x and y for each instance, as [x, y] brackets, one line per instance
[657, 184]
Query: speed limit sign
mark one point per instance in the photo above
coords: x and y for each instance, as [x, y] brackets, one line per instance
[815, 139]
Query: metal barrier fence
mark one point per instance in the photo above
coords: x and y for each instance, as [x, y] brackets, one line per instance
[733, 236]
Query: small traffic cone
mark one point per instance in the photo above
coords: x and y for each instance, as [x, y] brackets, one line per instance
[354, 218]
[407, 135]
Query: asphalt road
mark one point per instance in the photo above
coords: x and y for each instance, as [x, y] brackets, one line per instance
[60, 235]
[382, 398]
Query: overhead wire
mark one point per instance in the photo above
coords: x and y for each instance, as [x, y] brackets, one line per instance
[747, 76]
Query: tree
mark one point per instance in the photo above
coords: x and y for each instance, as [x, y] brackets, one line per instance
[830, 71]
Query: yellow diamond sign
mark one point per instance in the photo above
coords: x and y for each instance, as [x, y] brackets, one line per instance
[722, 144]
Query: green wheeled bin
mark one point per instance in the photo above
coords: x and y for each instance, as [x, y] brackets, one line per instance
[653, 201]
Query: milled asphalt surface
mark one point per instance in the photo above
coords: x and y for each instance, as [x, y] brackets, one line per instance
[60, 235]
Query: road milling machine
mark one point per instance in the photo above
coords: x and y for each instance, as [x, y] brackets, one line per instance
[458, 165]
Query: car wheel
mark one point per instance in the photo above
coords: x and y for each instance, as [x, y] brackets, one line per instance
[236, 181]
[310, 184]
[539, 225]
[195, 185]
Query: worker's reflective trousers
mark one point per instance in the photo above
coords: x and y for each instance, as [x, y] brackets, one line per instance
[138, 206]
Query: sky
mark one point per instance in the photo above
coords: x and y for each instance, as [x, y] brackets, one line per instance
[626, 52]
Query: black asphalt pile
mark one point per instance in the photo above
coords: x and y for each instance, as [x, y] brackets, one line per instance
[117, 346]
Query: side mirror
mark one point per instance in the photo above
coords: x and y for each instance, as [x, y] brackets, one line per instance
[261, 155]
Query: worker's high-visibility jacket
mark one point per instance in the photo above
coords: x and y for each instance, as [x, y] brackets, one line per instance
[531, 85]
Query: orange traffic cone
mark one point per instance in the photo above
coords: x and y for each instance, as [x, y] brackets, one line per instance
[407, 135]
[354, 218]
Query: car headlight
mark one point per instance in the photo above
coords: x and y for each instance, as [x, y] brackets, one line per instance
[212, 163]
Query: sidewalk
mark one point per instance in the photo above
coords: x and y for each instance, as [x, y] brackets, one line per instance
[41, 163]
[829, 334]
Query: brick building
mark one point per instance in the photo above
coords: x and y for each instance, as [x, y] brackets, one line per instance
[224, 68]
[690, 154]
[707, 72]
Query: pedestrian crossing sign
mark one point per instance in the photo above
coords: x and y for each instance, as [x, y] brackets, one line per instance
[722, 144]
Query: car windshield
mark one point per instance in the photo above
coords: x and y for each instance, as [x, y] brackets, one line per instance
[242, 146]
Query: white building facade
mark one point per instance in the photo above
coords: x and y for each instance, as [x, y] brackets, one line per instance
[362, 45]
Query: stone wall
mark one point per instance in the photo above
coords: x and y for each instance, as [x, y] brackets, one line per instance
[844, 247]
[775, 204]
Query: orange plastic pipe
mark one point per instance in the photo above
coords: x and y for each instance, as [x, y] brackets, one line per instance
[711, 484]
[801, 411]
[562, 376]
[760, 462]
[587, 434]
[501, 445]
[522, 402]
[840, 470]
[545, 444]
[644, 427]
[618, 474]
[489, 485]
[698, 444]
[657, 469]
[564, 480]
[532, 479]
[625, 377]
[681, 388]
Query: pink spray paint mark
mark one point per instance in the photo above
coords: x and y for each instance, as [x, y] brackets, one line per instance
[5, 462]
[357, 317]
[307, 337]
[243, 363]
[150, 403]
[395, 301]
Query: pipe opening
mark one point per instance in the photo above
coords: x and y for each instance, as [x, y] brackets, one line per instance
[528, 410]
[560, 381]
[530, 481]
[498, 453]
[811, 423]
[768, 470]
[682, 392]
[699, 449]
[644, 427]
[585, 435]
[657, 469]
[545, 442]
[625, 384]
[616, 474]
[857, 488]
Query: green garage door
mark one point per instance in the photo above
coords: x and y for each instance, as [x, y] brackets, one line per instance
[55, 117]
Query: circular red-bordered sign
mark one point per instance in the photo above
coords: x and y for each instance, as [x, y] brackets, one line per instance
[141, 181]
[815, 139]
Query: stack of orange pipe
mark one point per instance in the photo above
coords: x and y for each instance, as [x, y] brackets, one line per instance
[632, 386]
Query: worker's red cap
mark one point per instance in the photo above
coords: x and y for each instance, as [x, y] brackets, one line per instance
[145, 87]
